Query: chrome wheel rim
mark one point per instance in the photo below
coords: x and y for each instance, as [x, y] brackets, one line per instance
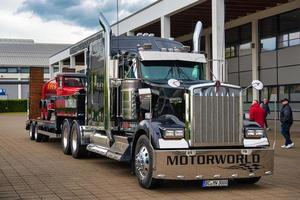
[65, 138]
[74, 141]
[142, 163]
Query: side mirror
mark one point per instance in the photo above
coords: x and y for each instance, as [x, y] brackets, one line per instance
[258, 85]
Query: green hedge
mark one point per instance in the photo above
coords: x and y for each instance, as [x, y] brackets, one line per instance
[13, 105]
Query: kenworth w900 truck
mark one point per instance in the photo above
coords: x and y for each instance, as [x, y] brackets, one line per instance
[147, 102]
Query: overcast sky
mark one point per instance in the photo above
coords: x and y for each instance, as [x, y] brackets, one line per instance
[60, 21]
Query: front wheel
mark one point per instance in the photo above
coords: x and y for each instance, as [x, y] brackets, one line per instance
[143, 163]
[248, 180]
[77, 149]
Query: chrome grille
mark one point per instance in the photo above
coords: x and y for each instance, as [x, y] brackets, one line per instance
[215, 117]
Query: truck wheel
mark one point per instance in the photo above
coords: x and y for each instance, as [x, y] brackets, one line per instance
[77, 149]
[143, 161]
[32, 131]
[248, 180]
[37, 136]
[65, 137]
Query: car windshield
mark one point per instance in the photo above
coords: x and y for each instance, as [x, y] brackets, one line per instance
[165, 70]
[74, 81]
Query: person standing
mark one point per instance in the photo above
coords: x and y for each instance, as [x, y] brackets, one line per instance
[267, 111]
[257, 114]
[286, 119]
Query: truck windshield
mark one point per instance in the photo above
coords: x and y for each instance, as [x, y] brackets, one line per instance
[165, 70]
[74, 81]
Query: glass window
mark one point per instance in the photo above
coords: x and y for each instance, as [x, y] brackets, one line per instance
[12, 70]
[24, 69]
[245, 33]
[295, 92]
[283, 92]
[289, 39]
[272, 93]
[55, 69]
[264, 93]
[3, 70]
[268, 27]
[268, 44]
[232, 36]
[181, 70]
[250, 95]
[289, 21]
[74, 82]
[46, 70]
[230, 52]
[245, 49]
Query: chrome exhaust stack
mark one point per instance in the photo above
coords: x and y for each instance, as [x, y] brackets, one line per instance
[107, 31]
[196, 37]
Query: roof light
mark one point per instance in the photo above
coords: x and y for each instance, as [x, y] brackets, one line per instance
[147, 46]
[170, 49]
[151, 35]
[146, 34]
[163, 49]
[139, 34]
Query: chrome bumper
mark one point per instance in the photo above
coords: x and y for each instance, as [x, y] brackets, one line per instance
[212, 163]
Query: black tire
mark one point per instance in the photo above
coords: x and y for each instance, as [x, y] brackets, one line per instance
[65, 136]
[143, 155]
[77, 149]
[37, 136]
[32, 131]
[248, 180]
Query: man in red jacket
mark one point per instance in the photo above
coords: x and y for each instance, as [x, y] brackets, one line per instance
[257, 114]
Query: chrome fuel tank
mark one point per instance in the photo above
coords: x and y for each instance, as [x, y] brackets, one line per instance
[128, 92]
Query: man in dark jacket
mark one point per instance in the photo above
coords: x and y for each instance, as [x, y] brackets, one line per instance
[286, 119]
[267, 111]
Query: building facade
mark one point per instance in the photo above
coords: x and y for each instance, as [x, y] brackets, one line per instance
[16, 58]
[262, 41]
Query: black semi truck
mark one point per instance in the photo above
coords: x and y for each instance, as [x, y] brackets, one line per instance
[147, 102]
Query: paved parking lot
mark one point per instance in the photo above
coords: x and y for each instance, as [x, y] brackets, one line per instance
[31, 170]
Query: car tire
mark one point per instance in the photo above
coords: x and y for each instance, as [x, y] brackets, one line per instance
[65, 136]
[32, 131]
[77, 149]
[37, 136]
[143, 163]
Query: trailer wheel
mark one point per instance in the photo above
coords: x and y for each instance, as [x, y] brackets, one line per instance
[248, 180]
[143, 162]
[77, 149]
[32, 131]
[37, 136]
[65, 136]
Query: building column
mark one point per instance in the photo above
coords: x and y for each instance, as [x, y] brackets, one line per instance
[255, 56]
[130, 33]
[208, 57]
[218, 46]
[19, 88]
[61, 65]
[72, 62]
[51, 71]
[165, 27]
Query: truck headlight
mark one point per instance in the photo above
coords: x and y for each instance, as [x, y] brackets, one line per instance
[172, 133]
[254, 133]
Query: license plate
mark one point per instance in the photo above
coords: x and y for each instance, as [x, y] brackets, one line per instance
[214, 183]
